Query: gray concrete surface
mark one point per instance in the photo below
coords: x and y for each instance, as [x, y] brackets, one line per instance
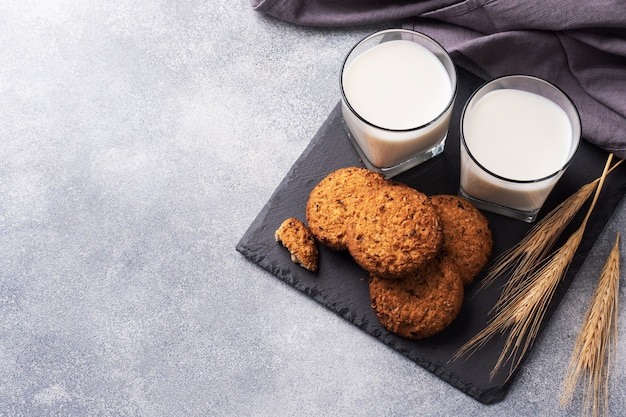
[138, 142]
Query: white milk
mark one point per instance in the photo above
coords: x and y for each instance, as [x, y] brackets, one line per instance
[396, 85]
[519, 136]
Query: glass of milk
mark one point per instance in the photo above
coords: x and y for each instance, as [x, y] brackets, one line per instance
[398, 88]
[518, 135]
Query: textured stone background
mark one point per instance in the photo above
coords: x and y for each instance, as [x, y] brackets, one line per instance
[138, 142]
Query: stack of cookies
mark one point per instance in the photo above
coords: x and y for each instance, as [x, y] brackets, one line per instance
[419, 251]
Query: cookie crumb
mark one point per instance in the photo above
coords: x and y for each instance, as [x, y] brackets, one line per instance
[299, 241]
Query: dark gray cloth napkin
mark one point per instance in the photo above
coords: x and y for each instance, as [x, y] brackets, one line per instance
[579, 45]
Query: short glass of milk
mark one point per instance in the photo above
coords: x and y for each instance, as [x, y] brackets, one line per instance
[518, 136]
[398, 88]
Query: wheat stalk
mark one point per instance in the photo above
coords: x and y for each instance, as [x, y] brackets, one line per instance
[596, 343]
[536, 244]
[523, 307]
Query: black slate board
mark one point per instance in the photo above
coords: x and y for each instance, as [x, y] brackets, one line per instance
[341, 285]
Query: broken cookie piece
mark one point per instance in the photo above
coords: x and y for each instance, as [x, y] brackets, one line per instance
[299, 241]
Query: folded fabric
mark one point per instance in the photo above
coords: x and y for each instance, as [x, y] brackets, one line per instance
[579, 45]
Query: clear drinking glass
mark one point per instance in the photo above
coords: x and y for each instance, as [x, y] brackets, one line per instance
[398, 88]
[515, 146]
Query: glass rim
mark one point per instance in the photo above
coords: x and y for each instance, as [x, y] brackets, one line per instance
[573, 151]
[453, 79]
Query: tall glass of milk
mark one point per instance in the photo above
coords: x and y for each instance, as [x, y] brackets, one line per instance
[518, 135]
[398, 89]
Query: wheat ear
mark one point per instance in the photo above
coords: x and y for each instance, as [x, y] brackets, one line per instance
[536, 244]
[528, 253]
[596, 343]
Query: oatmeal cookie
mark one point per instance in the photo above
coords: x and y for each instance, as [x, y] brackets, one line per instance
[395, 231]
[333, 201]
[420, 305]
[299, 241]
[467, 237]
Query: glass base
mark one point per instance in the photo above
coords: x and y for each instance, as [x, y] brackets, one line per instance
[526, 216]
[401, 167]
